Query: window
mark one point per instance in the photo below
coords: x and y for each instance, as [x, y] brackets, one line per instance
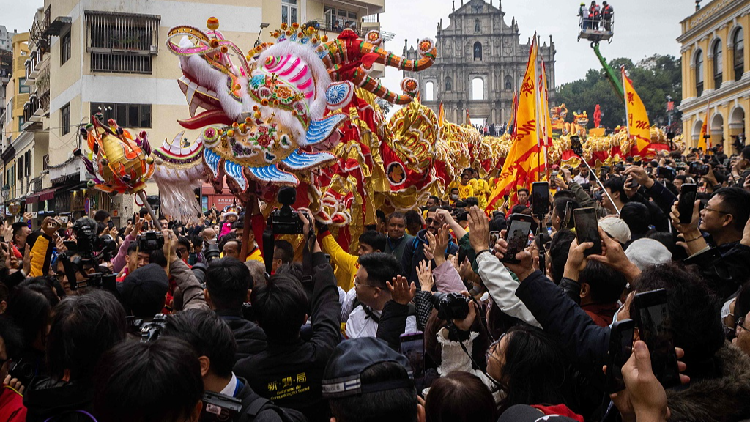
[21, 122]
[739, 54]
[717, 64]
[508, 82]
[478, 51]
[126, 115]
[448, 83]
[699, 73]
[27, 159]
[65, 119]
[429, 91]
[477, 27]
[64, 48]
[22, 87]
[121, 42]
[20, 168]
[288, 11]
[477, 89]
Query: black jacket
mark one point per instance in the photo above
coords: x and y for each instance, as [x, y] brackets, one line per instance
[414, 254]
[291, 373]
[584, 342]
[249, 336]
[257, 409]
[46, 398]
[725, 268]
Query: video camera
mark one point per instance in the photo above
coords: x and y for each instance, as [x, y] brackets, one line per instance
[212, 251]
[150, 241]
[286, 220]
[148, 331]
[450, 305]
[89, 251]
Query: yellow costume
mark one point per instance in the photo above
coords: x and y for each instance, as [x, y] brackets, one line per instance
[346, 264]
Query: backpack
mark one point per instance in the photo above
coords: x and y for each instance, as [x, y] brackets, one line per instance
[254, 404]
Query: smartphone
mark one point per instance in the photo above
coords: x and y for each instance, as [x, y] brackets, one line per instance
[567, 218]
[620, 349]
[587, 229]
[603, 172]
[688, 194]
[655, 328]
[412, 346]
[493, 239]
[519, 229]
[540, 198]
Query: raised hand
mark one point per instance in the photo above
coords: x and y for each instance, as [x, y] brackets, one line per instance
[429, 247]
[424, 273]
[466, 323]
[479, 230]
[613, 256]
[401, 291]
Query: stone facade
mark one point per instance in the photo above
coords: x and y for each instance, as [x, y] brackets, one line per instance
[478, 52]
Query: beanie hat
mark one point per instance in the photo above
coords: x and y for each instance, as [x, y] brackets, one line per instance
[647, 252]
[144, 290]
[616, 228]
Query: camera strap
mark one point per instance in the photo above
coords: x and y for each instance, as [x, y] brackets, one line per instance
[83, 412]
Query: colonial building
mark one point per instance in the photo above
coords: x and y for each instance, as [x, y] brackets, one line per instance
[715, 72]
[481, 62]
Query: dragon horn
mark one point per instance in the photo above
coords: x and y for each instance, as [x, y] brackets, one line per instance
[362, 80]
[426, 49]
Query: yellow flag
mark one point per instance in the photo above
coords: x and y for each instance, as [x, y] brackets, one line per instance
[441, 115]
[544, 110]
[639, 127]
[525, 160]
[704, 131]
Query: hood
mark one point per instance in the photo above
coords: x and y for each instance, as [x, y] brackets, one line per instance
[724, 398]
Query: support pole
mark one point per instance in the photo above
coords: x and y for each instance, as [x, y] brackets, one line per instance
[157, 224]
[611, 75]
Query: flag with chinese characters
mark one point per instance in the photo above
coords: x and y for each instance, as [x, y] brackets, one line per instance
[525, 159]
[704, 142]
[639, 127]
[512, 121]
[545, 121]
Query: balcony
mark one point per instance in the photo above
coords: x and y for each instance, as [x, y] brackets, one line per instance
[32, 66]
[56, 27]
[39, 37]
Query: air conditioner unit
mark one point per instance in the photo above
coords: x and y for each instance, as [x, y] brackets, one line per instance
[153, 49]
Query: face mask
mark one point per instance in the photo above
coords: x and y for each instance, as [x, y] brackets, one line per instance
[454, 197]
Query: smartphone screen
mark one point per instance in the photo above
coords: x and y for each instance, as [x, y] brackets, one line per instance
[655, 328]
[518, 237]
[567, 220]
[540, 198]
[620, 349]
[587, 229]
[493, 239]
[412, 346]
[688, 193]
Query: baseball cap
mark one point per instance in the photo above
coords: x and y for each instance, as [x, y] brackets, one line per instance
[342, 377]
[616, 228]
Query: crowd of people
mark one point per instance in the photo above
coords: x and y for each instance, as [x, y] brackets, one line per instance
[443, 313]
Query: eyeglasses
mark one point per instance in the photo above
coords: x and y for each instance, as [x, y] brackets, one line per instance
[741, 325]
[711, 209]
[358, 284]
[493, 348]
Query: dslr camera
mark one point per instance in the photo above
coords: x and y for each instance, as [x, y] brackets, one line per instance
[148, 331]
[89, 245]
[286, 220]
[150, 241]
[450, 305]
[212, 251]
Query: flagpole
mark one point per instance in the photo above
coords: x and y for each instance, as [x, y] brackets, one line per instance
[537, 107]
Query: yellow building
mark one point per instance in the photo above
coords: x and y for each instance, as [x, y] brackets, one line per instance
[716, 72]
[110, 56]
[16, 95]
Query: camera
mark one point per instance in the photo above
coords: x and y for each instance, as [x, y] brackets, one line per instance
[89, 245]
[286, 220]
[212, 252]
[450, 305]
[148, 331]
[22, 371]
[150, 241]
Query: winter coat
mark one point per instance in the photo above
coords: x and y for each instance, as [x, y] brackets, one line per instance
[250, 338]
[414, 254]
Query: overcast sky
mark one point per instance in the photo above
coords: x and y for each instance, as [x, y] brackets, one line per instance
[642, 27]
